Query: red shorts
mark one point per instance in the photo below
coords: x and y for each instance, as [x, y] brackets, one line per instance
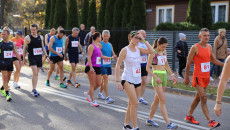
[202, 82]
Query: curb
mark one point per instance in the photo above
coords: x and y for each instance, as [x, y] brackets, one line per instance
[191, 93]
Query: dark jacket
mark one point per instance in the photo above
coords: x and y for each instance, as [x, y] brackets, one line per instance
[183, 47]
[82, 35]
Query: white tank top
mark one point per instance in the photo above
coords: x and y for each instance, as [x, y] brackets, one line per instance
[132, 67]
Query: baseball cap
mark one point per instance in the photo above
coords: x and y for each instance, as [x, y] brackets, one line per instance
[19, 32]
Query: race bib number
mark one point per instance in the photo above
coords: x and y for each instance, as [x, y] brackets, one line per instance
[74, 43]
[59, 49]
[136, 71]
[144, 59]
[8, 54]
[161, 60]
[20, 52]
[205, 67]
[106, 61]
[98, 60]
[37, 51]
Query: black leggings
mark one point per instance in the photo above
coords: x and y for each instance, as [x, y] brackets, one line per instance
[182, 64]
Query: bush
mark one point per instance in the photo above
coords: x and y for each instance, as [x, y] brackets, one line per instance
[219, 25]
[176, 26]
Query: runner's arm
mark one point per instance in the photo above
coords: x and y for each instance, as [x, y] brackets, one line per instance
[43, 47]
[113, 53]
[81, 49]
[90, 53]
[121, 57]
[167, 67]
[192, 53]
[149, 49]
[26, 42]
[213, 58]
[16, 53]
[46, 40]
[66, 45]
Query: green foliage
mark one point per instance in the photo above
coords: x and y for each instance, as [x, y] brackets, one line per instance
[101, 15]
[117, 15]
[176, 26]
[92, 15]
[206, 14]
[194, 12]
[109, 14]
[72, 18]
[84, 12]
[47, 13]
[52, 10]
[126, 13]
[219, 25]
[138, 14]
[60, 14]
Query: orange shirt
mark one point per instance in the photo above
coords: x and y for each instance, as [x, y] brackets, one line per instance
[202, 62]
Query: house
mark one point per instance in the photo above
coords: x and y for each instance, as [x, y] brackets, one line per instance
[160, 11]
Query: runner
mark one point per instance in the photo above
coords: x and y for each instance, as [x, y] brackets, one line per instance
[131, 77]
[35, 49]
[93, 67]
[47, 40]
[160, 66]
[106, 70]
[6, 62]
[56, 56]
[144, 73]
[18, 42]
[71, 45]
[201, 54]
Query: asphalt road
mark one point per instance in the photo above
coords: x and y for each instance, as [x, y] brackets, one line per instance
[61, 109]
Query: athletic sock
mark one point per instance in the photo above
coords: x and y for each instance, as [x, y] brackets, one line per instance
[7, 92]
[2, 88]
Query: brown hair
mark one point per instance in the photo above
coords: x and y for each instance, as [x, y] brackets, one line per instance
[161, 40]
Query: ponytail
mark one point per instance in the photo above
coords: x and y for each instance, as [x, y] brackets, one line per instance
[155, 43]
[161, 40]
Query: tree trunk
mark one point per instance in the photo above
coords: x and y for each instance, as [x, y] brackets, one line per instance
[2, 3]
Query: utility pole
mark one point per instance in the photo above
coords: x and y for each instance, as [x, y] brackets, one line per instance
[2, 3]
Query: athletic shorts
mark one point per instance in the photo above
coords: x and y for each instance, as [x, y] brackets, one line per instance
[48, 52]
[97, 70]
[55, 59]
[163, 77]
[135, 85]
[15, 58]
[106, 70]
[202, 82]
[73, 58]
[143, 71]
[6, 66]
[35, 60]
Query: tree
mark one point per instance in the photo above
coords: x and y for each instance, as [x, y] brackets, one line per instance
[117, 15]
[52, 10]
[194, 12]
[84, 12]
[72, 18]
[138, 15]
[47, 13]
[109, 14]
[126, 13]
[60, 13]
[101, 15]
[206, 14]
[2, 5]
[92, 14]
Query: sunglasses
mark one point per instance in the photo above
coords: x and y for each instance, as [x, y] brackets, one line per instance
[137, 38]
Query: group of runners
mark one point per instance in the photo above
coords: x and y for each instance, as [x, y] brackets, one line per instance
[139, 57]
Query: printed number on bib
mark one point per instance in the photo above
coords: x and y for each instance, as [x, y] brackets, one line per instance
[98, 60]
[74, 43]
[106, 61]
[144, 59]
[19, 51]
[37, 51]
[59, 49]
[8, 54]
[161, 60]
[205, 67]
[136, 71]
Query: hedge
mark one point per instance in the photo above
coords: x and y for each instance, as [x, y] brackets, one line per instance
[176, 26]
[219, 25]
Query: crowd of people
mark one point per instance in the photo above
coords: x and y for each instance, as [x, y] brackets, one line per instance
[139, 58]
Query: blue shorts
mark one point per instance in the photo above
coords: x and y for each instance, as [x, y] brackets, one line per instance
[106, 70]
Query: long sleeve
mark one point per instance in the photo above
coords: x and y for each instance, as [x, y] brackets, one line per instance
[215, 46]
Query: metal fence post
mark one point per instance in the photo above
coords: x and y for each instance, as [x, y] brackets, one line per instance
[173, 52]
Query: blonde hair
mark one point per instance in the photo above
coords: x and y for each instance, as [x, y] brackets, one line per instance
[52, 29]
[221, 30]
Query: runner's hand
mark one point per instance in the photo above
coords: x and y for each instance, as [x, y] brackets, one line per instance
[174, 79]
[218, 109]
[24, 61]
[92, 69]
[186, 80]
[179, 51]
[65, 58]
[158, 80]
[21, 63]
[48, 59]
[60, 55]
[141, 37]
[119, 86]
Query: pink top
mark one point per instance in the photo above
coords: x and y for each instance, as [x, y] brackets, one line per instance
[96, 57]
[18, 43]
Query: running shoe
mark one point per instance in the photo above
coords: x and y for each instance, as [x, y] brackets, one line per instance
[56, 77]
[100, 96]
[34, 93]
[191, 119]
[109, 100]
[41, 69]
[142, 100]
[69, 82]
[213, 124]
[151, 123]
[87, 96]
[62, 85]
[136, 128]
[211, 79]
[64, 78]
[95, 104]
[8, 97]
[171, 126]
[47, 83]
[77, 85]
[181, 77]
[15, 85]
[127, 127]
[3, 92]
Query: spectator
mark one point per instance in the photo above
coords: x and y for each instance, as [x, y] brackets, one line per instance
[86, 41]
[82, 35]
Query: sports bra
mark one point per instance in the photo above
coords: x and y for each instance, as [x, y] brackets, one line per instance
[155, 59]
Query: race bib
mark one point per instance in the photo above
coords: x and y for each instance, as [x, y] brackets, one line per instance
[205, 67]
[144, 59]
[20, 52]
[161, 60]
[37, 51]
[106, 61]
[8, 54]
[136, 71]
[59, 49]
[98, 60]
[74, 43]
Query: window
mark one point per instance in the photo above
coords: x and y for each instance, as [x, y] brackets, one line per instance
[165, 14]
[219, 12]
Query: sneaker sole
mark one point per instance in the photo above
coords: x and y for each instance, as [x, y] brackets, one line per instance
[215, 127]
[9, 100]
[109, 102]
[187, 121]
[149, 124]
[76, 86]
[95, 105]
